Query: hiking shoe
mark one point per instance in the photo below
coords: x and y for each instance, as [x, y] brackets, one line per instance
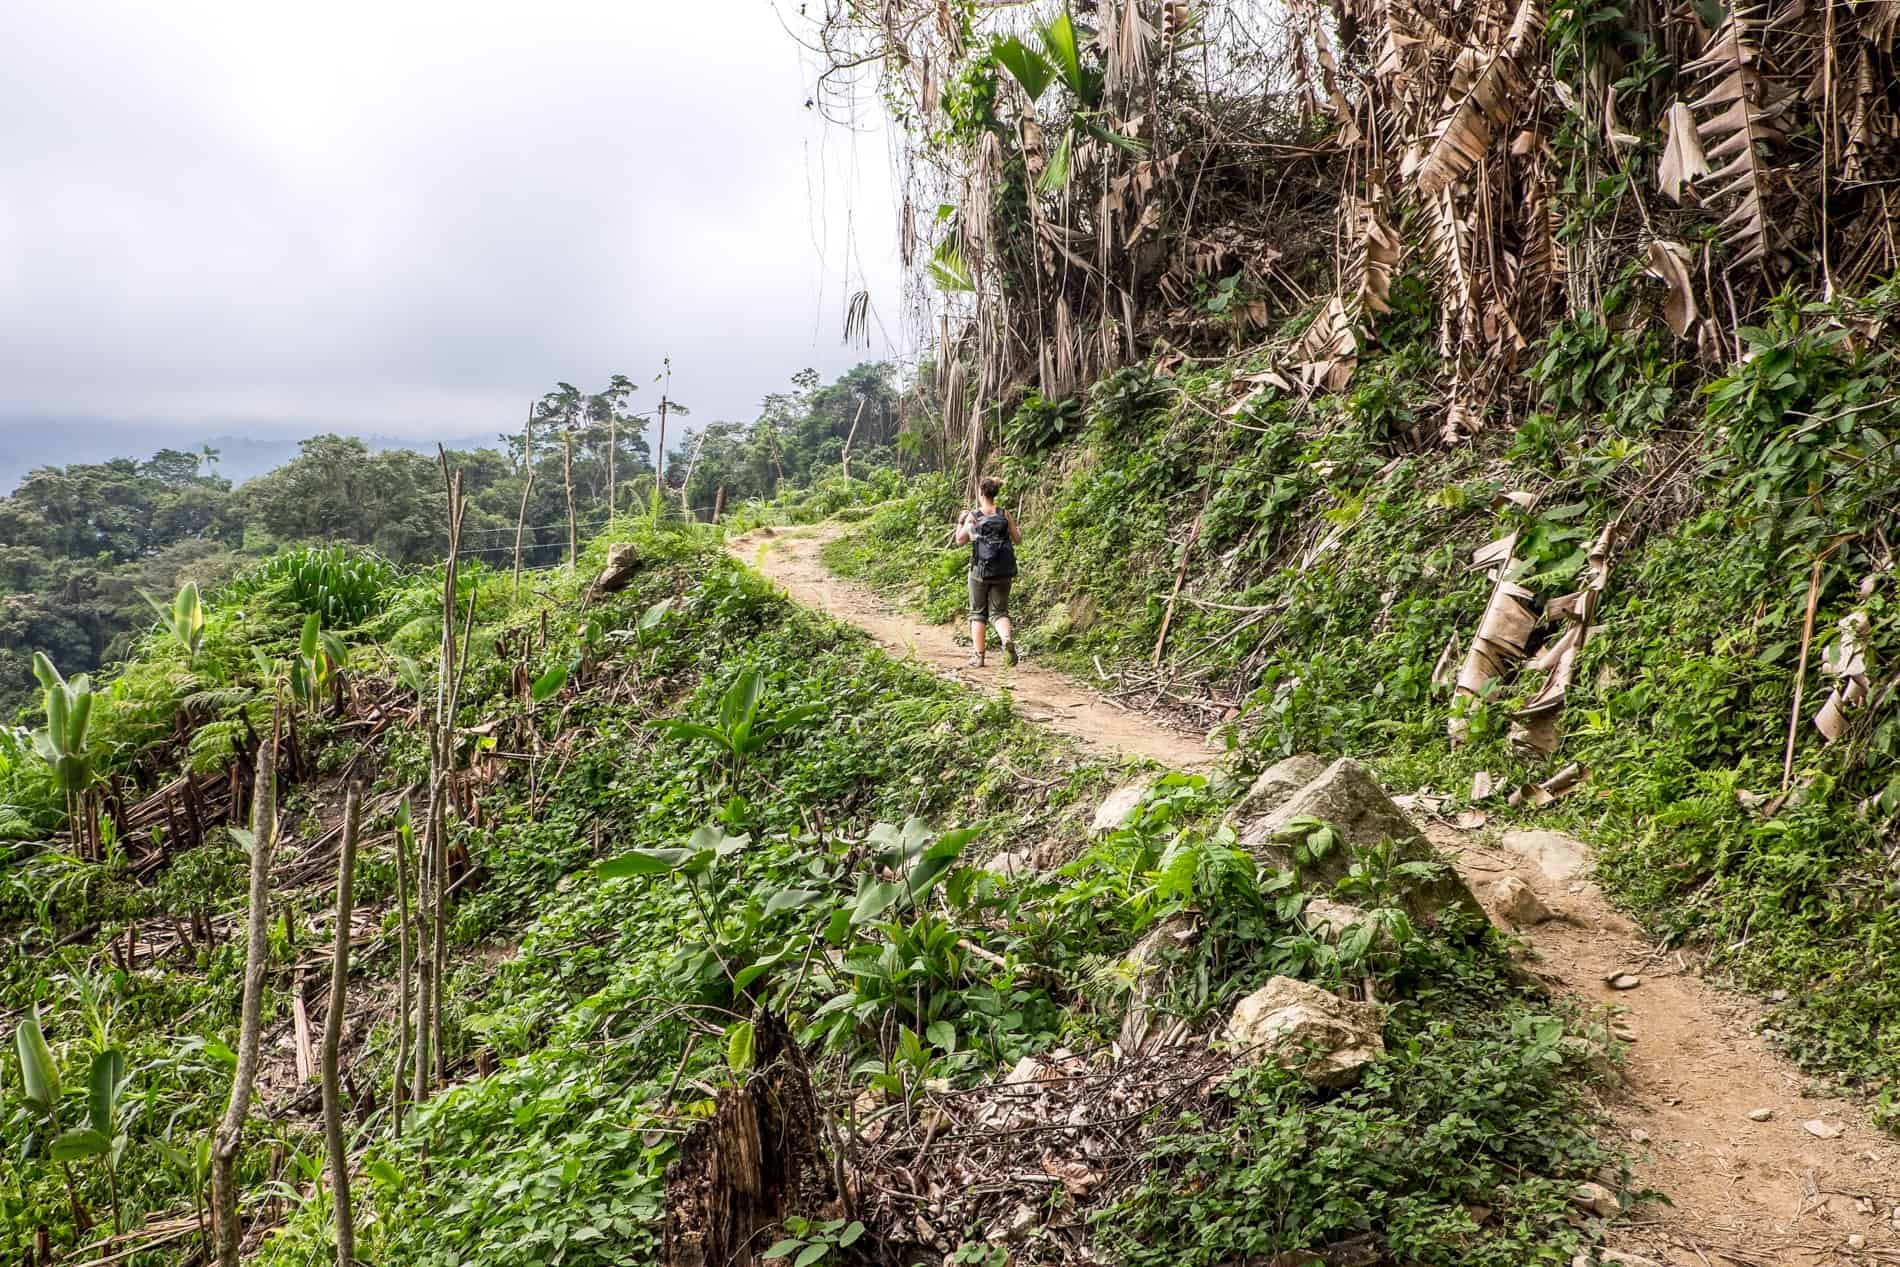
[974, 662]
[1009, 652]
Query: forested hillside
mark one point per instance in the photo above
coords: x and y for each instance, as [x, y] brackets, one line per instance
[80, 546]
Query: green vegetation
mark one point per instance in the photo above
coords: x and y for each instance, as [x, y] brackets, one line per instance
[81, 547]
[1329, 572]
[754, 809]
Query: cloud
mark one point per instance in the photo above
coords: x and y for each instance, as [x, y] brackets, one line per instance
[413, 218]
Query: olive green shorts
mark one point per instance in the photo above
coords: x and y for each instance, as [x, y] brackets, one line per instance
[989, 599]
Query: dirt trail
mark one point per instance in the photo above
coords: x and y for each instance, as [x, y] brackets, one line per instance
[1809, 1184]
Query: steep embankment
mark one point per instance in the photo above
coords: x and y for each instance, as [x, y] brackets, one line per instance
[1666, 600]
[1754, 1162]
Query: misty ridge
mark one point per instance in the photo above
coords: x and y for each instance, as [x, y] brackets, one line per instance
[27, 445]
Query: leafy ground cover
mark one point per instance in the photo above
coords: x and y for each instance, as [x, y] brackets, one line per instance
[1327, 569]
[709, 802]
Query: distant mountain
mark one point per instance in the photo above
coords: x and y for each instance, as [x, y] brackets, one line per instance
[31, 443]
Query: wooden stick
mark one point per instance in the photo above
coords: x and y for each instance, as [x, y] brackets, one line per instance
[1180, 574]
[300, 1017]
[333, 1033]
[521, 519]
[567, 478]
[1801, 671]
[404, 966]
[845, 458]
[230, 1135]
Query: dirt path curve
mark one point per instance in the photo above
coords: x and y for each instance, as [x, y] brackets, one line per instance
[1758, 1171]
[789, 556]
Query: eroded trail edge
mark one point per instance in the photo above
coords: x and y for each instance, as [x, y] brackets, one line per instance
[1760, 1167]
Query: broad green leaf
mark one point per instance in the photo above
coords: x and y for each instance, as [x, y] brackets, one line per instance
[108, 1071]
[780, 1249]
[811, 1254]
[39, 1073]
[307, 644]
[642, 862]
[873, 900]
[548, 683]
[741, 702]
[650, 618]
[43, 669]
[739, 1046]
[943, 1035]
[851, 1234]
[80, 1143]
[692, 730]
[789, 900]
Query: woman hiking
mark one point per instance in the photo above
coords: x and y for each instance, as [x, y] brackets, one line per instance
[992, 537]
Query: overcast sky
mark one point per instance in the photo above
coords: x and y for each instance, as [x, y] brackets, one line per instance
[412, 216]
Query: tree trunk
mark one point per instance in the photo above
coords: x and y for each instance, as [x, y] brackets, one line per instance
[719, 503]
[567, 478]
[527, 486]
[659, 462]
[230, 1133]
[845, 457]
[333, 1034]
[613, 451]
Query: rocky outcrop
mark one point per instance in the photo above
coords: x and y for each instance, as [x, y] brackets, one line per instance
[1516, 902]
[1117, 806]
[1562, 858]
[1345, 796]
[1147, 967]
[623, 560]
[1304, 1029]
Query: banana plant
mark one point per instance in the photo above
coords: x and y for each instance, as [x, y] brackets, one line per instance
[183, 621]
[740, 732]
[62, 744]
[318, 664]
[103, 1136]
[40, 1088]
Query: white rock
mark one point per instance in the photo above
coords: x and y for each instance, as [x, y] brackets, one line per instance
[1562, 858]
[1760, 1115]
[1327, 919]
[1517, 902]
[1820, 1129]
[1856, 1242]
[1594, 1198]
[1147, 967]
[1116, 807]
[1300, 1027]
[1009, 865]
[1346, 796]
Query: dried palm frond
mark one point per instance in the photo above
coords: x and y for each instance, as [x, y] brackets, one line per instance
[1579, 608]
[1376, 247]
[1330, 350]
[1669, 261]
[1846, 662]
[1487, 86]
[857, 319]
[1683, 162]
[1504, 631]
[1742, 110]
